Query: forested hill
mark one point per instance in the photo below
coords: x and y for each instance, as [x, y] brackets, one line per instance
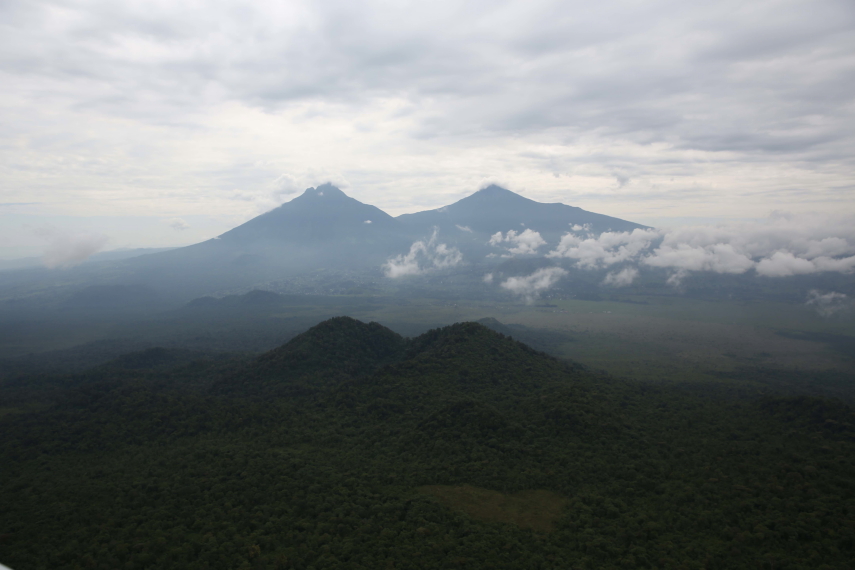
[329, 353]
[352, 447]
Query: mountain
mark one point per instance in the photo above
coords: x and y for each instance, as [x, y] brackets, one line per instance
[329, 353]
[324, 229]
[468, 224]
[495, 209]
[319, 216]
[321, 229]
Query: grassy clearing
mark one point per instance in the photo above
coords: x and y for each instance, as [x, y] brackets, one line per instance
[10, 411]
[535, 509]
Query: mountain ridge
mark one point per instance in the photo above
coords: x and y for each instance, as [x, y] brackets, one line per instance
[493, 208]
[325, 229]
[323, 213]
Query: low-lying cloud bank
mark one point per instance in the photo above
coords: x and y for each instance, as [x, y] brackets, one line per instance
[530, 286]
[423, 256]
[779, 247]
[524, 243]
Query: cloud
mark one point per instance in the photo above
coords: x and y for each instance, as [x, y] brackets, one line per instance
[621, 278]
[367, 222]
[784, 264]
[177, 224]
[612, 78]
[780, 246]
[66, 248]
[423, 256]
[606, 249]
[286, 185]
[829, 304]
[530, 286]
[464, 228]
[718, 258]
[676, 278]
[699, 105]
[524, 243]
[488, 278]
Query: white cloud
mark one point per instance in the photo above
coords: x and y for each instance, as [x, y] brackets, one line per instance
[522, 243]
[423, 256]
[784, 264]
[829, 304]
[780, 246]
[530, 286]
[621, 278]
[177, 224]
[367, 222]
[67, 249]
[464, 228]
[676, 278]
[606, 249]
[719, 258]
[286, 185]
[488, 278]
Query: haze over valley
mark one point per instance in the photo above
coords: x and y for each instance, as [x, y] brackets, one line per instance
[607, 292]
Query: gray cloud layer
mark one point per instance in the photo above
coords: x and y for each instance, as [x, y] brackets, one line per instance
[639, 108]
[769, 79]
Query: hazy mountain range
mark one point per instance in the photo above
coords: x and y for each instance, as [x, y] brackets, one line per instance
[492, 243]
[326, 229]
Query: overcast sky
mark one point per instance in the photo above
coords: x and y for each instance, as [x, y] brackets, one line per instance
[160, 122]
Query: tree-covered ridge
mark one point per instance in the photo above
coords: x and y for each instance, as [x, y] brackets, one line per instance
[145, 469]
[327, 354]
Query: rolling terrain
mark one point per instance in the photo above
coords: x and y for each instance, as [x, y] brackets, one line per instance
[351, 446]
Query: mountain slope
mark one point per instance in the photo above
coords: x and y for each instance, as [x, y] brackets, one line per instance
[320, 215]
[321, 229]
[334, 351]
[495, 209]
[325, 229]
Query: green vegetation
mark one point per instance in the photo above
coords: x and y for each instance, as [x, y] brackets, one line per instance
[319, 455]
[537, 510]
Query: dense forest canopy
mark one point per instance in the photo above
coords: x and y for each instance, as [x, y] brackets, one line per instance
[351, 446]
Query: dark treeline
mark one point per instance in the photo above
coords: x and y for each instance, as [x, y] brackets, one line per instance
[312, 455]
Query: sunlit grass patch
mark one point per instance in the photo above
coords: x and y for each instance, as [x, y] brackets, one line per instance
[534, 509]
[10, 411]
